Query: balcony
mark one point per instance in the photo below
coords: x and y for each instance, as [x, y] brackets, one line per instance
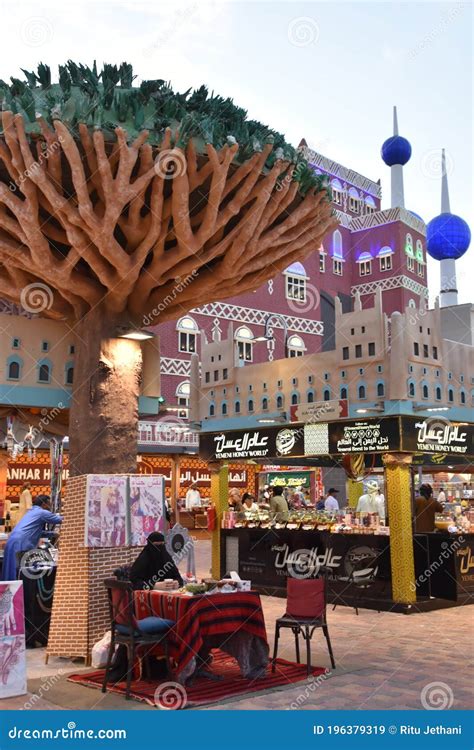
[167, 435]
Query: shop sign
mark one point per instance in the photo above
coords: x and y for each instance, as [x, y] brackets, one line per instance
[319, 411]
[438, 436]
[289, 479]
[253, 443]
[35, 474]
[364, 436]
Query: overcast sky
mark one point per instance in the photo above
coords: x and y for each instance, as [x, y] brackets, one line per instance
[330, 72]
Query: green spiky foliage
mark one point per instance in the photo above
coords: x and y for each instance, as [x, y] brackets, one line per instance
[108, 99]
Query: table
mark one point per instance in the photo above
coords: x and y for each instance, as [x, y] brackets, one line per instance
[233, 622]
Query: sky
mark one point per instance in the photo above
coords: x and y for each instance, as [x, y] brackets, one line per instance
[326, 71]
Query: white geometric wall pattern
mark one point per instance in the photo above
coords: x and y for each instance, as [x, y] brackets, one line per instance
[171, 366]
[393, 282]
[385, 217]
[257, 317]
[354, 178]
[270, 286]
[316, 439]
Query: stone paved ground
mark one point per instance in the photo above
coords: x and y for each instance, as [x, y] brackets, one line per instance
[384, 661]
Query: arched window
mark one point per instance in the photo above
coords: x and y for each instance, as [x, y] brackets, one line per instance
[336, 190]
[438, 393]
[343, 391]
[295, 398]
[409, 245]
[419, 251]
[354, 200]
[182, 393]
[14, 369]
[44, 371]
[244, 338]
[224, 408]
[450, 395]
[370, 206]
[326, 394]
[337, 244]
[264, 403]
[296, 346]
[361, 391]
[69, 375]
[212, 410]
[380, 389]
[411, 388]
[310, 397]
[412, 303]
[188, 330]
[296, 279]
[463, 397]
[425, 391]
[279, 402]
[237, 407]
[250, 405]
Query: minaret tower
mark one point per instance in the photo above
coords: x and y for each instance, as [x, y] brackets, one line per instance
[447, 239]
[396, 151]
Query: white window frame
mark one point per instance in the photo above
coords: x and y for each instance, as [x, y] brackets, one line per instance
[295, 346]
[189, 333]
[420, 269]
[410, 263]
[337, 266]
[183, 391]
[322, 261]
[244, 343]
[365, 267]
[385, 263]
[295, 288]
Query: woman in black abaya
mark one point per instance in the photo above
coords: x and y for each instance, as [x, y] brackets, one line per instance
[154, 564]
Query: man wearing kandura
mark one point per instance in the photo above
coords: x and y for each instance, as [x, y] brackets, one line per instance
[331, 504]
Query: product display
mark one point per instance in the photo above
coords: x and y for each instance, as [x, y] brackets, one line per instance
[346, 521]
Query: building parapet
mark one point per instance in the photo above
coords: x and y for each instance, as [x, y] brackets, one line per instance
[387, 216]
[337, 170]
[258, 317]
[393, 282]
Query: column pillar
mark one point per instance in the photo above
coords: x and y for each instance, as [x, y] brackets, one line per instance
[219, 498]
[354, 490]
[399, 505]
[3, 481]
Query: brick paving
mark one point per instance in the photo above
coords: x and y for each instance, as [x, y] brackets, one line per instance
[383, 661]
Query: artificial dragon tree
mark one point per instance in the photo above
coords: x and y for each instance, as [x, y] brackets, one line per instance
[111, 194]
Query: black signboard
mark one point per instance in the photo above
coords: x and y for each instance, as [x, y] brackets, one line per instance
[252, 443]
[364, 436]
[437, 435]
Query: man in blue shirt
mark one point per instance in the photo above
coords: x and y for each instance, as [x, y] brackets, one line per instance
[26, 534]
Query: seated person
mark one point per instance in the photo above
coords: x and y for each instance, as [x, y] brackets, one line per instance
[154, 565]
[249, 504]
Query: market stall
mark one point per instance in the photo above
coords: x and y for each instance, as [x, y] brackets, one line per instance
[377, 560]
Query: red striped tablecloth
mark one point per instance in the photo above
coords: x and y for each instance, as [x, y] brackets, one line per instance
[199, 616]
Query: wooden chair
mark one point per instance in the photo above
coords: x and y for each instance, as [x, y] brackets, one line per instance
[305, 613]
[127, 630]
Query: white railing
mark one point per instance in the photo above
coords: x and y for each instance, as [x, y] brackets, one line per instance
[156, 433]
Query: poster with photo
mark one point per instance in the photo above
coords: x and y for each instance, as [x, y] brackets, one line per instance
[146, 506]
[106, 510]
[12, 640]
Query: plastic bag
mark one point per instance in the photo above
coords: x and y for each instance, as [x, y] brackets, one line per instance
[100, 651]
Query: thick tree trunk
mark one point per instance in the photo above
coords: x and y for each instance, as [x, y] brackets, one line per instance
[103, 425]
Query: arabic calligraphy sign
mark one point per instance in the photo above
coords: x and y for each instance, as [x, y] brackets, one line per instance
[364, 436]
[436, 435]
[252, 443]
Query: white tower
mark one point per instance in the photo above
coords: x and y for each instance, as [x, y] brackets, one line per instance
[447, 266]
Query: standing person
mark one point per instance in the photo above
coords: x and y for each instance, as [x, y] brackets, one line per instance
[320, 503]
[299, 498]
[27, 533]
[426, 508]
[278, 504]
[441, 496]
[331, 504]
[26, 501]
[193, 498]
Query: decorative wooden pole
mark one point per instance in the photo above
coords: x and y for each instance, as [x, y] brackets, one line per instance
[398, 483]
[219, 498]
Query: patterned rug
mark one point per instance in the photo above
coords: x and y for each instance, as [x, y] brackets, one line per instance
[204, 691]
